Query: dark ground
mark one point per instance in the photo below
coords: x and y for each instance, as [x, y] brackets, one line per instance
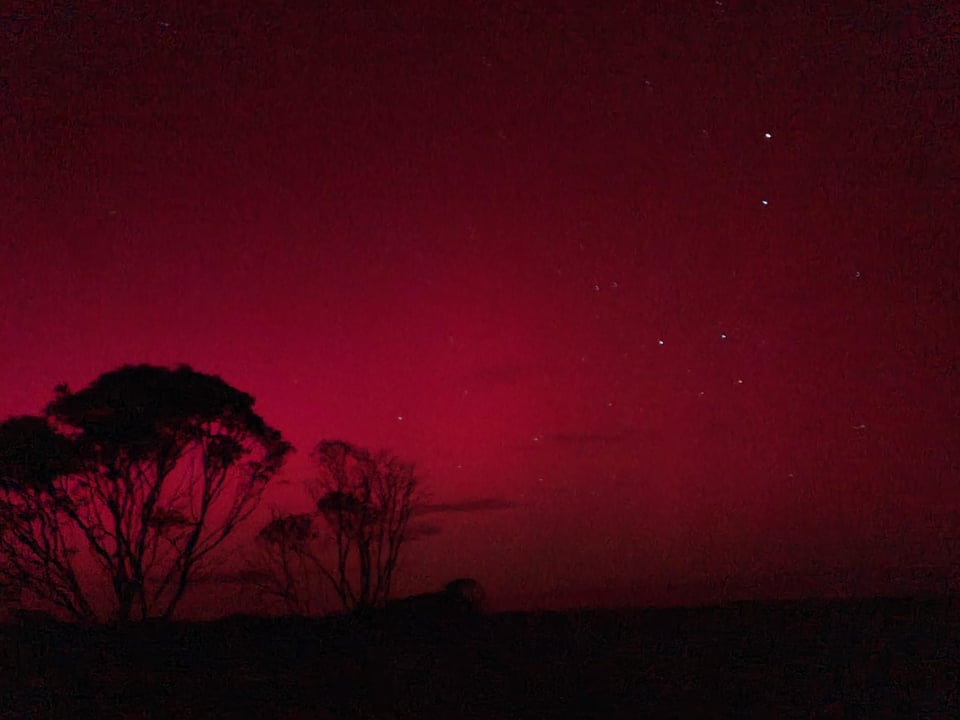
[852, 659]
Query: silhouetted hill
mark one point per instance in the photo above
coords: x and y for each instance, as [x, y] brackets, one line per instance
[882, 657]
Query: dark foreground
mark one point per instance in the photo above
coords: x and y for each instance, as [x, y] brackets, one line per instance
[864, 659]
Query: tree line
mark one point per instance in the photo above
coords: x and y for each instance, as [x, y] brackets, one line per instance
[131, 485]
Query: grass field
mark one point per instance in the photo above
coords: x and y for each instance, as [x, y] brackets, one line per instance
[895, 658]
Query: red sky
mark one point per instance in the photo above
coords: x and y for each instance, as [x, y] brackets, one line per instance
[461, 232]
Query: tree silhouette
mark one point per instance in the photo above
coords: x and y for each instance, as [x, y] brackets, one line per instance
[159, 468]
[367, 500]
[36, 554]
[289, 567]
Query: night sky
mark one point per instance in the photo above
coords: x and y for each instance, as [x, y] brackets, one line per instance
[661, 297]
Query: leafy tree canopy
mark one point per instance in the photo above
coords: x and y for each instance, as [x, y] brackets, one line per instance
[32, 454]
[133, 410]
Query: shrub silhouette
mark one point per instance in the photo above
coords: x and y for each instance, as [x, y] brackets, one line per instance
[452, 608]
[471, 592]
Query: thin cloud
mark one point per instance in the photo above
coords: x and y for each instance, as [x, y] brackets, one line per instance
[467, 506]
[419, 530]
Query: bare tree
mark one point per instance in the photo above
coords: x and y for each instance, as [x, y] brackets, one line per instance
[288, 567]
[367, 500]
[164, 465]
